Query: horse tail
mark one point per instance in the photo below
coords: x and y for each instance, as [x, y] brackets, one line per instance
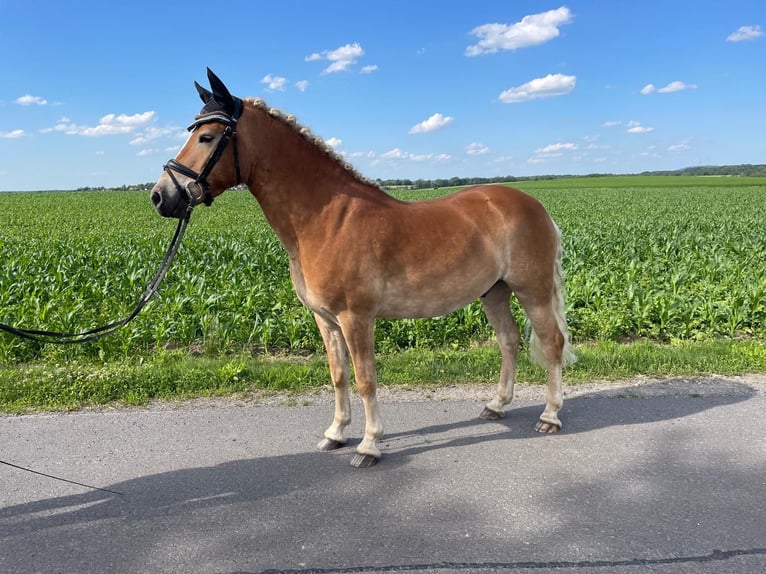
[558, 306]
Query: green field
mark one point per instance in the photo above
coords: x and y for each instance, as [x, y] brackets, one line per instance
[662, 258]
[658, 259]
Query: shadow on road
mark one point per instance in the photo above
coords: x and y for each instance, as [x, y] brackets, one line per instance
[261, 503]
[579, 415]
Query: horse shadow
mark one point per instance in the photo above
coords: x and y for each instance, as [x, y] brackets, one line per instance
[272, 476]
[265, 477]
[653, 402]
[258, 494]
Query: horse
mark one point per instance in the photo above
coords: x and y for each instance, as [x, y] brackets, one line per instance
[357, 254]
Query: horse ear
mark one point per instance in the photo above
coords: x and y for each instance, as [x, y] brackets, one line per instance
[220, 91]
[205, 95]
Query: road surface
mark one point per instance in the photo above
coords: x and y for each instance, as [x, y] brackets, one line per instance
[646, 476]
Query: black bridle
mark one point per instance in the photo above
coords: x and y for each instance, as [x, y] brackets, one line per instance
[198, 190]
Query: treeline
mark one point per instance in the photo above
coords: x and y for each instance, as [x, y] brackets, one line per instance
[741, 170]
[464, 181]
[134, 187]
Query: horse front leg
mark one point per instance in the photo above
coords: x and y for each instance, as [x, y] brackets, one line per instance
[337, 359]
[359, 333]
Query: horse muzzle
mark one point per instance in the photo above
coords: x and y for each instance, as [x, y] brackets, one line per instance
[169, 203]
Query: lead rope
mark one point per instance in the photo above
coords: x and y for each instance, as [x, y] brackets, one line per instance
[16, 466]
[100, 332]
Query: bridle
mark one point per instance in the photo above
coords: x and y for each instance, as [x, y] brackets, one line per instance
[198, 191]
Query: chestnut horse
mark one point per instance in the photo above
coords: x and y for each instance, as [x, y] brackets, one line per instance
[357, 254]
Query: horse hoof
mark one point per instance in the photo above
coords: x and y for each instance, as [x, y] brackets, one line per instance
[547, 428]
[364, 460]
[327, 444]
[490, 415]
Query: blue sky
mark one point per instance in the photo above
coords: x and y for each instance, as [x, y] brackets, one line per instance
[99, 93]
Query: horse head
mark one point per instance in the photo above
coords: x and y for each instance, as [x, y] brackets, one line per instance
[203, 169]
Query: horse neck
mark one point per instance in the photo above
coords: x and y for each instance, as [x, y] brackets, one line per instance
[299, 186]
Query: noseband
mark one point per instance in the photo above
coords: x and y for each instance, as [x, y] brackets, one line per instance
[198, 190]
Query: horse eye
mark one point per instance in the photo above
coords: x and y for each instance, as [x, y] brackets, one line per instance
[205, 138]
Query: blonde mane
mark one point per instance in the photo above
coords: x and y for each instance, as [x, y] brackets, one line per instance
[309, 136]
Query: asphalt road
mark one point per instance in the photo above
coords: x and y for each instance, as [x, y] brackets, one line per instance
[653, 477]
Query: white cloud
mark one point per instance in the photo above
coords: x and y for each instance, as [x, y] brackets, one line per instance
[12, 134]
[152, 133]
[126, 120]
[611, 123]
[302, 85]
[29, 100]
[552, 151]
[395, 153]
[274, 83]
[146, 152]
[367, 154]
[532, 30]
[398, 154]
[341, 59]
[557, 147]
[683, 145]
[635, 127]
[547, 87]
[369, 69]
[334, 142]
[64, 125]
[435, 122]
[745, 33]
[476, 148]
[110, 124]
[676, 86]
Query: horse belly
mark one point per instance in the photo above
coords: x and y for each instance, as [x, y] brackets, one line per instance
[412, 308]
[434, 297]
[441, 275]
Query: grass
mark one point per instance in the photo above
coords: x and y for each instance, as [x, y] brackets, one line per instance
[172, 375]
[657, 257]
[664, 277]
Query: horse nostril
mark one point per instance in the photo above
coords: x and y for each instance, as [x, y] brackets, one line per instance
[156, 198]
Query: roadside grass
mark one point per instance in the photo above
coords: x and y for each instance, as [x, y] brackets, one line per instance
[178, 375]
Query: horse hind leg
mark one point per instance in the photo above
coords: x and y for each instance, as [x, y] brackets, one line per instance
[338, 360]
[549, 348]
[496, 303]
[549, 343]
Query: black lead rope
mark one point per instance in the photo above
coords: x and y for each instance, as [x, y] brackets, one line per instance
[16, 466]
[114, 326]
[99, 332]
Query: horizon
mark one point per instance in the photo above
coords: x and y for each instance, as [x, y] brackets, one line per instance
[499, 179]
[101, 96]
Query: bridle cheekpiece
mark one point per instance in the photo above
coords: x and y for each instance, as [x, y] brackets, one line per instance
[198, 190]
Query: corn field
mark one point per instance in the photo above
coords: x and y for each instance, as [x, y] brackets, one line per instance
[646, 257]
